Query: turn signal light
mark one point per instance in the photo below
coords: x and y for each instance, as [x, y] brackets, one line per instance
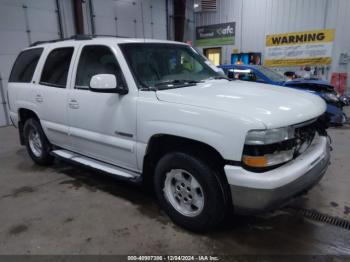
[269, 159]
[255, 161]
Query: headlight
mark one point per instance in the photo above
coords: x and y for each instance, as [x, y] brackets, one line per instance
[269, 136]
[330, 97]
[267, 148]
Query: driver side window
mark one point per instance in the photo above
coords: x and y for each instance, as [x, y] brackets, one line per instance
[188, 63]
[96, 60]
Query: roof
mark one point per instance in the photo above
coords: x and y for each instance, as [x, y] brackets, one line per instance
[100, 40]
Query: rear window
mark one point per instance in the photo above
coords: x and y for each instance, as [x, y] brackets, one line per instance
[24, 67]
[56, 67]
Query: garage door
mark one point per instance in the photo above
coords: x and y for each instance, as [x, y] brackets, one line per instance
[139, 18]
[22, 22]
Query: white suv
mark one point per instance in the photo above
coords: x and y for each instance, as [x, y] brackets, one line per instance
[146, 110]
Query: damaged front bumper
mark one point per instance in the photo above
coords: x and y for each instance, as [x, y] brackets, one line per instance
[252, 192]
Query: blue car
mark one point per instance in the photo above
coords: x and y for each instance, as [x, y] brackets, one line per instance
[261, 74]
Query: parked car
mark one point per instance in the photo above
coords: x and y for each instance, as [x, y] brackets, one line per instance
[152, 110]
[345, 100]
[261, 74]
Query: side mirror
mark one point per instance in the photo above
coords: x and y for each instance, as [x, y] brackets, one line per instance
[106, 83]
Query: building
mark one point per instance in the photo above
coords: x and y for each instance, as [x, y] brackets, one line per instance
[23, 22]
[255, 19]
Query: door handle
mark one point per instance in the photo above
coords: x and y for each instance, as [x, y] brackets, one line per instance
[73, 104]
[39, 98]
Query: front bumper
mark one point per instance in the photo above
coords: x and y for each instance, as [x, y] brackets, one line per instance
[254, 192]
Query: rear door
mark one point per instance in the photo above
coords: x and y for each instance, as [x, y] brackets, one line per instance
[50, 92]
[102, 125]
[20, 85]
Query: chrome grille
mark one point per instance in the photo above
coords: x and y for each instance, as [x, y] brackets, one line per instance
[304, 135]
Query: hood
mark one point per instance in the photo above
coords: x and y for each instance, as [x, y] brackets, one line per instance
[274, 106]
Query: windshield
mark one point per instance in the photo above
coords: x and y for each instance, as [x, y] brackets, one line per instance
[271, 74]
[155, 65]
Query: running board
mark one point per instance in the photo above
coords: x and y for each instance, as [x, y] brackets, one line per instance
[95, 164]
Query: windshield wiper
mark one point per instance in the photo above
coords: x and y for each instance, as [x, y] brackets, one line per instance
[219, 77]
[176, 83]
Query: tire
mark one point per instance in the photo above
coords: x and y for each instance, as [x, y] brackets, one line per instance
[205, 206]
[37, 145]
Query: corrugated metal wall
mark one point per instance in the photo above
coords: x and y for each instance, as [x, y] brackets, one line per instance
[23, 22]
[189, 22]
[257, 18]
[138, 18]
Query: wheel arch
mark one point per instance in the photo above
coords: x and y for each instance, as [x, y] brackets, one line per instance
[161, 144]
[23, 115]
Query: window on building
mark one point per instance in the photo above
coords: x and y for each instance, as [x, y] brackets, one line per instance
[214, 55]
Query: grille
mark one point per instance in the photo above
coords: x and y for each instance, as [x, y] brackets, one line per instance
[304, 136]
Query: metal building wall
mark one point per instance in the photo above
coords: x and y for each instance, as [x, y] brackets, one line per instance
[23, 22]
[189, 22]
[138, 18]
[227, 11]
[257, 18]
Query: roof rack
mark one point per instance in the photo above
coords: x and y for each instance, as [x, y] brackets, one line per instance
[74, 37]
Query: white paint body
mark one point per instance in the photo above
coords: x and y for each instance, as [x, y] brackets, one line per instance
[218, 113]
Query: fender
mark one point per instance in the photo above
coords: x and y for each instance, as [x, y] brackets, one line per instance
[220, 130]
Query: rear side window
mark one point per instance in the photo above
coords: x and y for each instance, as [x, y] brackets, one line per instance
[56, 67]
[24, 67]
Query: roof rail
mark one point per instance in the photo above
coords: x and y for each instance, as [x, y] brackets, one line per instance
[74, 37]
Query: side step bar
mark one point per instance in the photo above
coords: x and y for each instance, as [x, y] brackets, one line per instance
[95, 164]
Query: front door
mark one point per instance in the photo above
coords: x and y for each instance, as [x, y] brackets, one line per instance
[102, 125]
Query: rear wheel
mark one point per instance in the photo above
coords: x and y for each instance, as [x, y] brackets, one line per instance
[189, 191]
[36, 142]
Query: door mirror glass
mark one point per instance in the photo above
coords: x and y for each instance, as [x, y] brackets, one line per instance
[106, 83]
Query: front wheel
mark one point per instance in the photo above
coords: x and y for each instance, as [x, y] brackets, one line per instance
[189, 191]
[36, 142]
